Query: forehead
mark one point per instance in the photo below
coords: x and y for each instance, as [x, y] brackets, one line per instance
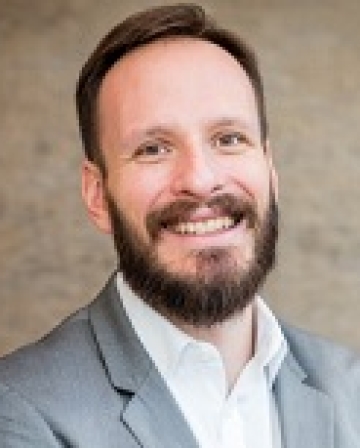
[178, 53]
[168, 76]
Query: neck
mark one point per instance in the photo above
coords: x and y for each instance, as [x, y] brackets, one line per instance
[234, 339]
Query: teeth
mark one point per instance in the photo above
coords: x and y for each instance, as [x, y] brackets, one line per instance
[203, 227]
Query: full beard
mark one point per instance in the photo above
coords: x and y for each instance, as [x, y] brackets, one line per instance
[218, 289]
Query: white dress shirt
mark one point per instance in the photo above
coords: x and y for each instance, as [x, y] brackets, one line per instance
[194, 373]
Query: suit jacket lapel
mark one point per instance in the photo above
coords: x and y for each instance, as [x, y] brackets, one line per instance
[151, 414]
[306, 414]
[155, 418]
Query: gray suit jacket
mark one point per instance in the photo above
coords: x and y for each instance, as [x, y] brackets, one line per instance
[90, 384]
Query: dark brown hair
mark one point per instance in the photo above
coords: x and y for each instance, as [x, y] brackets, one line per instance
[188, 20]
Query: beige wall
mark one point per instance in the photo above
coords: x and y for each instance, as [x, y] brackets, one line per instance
[52, 260]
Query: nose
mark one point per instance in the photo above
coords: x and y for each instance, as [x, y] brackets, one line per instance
[197, 174]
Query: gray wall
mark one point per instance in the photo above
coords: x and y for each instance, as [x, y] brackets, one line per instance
[52, 260]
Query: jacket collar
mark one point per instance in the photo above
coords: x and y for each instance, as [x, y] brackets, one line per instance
[306, 414]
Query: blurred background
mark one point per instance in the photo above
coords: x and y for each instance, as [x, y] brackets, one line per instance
[52, 261]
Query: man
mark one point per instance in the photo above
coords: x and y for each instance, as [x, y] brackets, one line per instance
[178, 350]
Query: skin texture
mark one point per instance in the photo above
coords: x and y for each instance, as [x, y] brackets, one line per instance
[178, 121]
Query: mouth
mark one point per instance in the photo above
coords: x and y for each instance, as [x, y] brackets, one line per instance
[205, 226]
[217, 216]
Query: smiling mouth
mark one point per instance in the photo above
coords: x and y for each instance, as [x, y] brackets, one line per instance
[204, 227]
[193, 218]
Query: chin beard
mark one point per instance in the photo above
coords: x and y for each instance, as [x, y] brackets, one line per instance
[219, 288]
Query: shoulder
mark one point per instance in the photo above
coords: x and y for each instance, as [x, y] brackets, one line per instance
[58, 385]
[47, 364]
[327, 364]
[332, 372]
[20, 423]
[312, 346]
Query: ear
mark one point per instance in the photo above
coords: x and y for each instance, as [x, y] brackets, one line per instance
[93, 195]
[273, 173]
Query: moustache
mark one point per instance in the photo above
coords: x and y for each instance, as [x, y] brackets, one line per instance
[238, 208]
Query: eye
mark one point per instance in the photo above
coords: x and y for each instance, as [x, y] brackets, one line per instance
[230, 140]
[152, 152]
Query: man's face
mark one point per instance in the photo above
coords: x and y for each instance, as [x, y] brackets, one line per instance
[186, 168]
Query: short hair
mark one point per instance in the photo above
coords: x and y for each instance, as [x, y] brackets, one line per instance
[184, 20]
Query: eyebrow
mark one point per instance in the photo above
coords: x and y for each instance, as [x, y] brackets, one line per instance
[229, 122]
[153, 131]
[169, 128]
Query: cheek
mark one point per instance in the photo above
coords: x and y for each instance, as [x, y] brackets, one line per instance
[254, 177]
[136, 193]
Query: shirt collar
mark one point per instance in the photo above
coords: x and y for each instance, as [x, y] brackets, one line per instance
[161, 339]
[166, 344]
[271, 346]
